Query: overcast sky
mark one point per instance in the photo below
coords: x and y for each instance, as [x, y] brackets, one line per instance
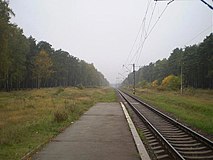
[103, 32]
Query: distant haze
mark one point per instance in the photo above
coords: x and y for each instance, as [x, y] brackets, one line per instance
[102, 32]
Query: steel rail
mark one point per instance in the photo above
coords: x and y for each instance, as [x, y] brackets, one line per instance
[155, 131]
[172, 149]
[178, 124]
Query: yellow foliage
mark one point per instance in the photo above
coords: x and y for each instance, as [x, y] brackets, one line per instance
[43, 64]
[167, 80]
[155, 83]
[171, 82]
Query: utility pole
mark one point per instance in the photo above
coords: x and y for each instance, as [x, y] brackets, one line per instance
[181, 79]
[133, 78]
[133, 65]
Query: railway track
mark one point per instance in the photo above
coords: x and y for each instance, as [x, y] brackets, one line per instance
[166, 138]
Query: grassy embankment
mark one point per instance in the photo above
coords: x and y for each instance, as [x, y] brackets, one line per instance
[194, 107]
[32, 117]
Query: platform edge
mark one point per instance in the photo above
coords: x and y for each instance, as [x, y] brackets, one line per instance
[139, 144]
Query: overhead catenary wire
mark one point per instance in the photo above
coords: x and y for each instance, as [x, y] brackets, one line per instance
[147, 26]
[142, 45]
[143, 33]
[151, 16]
[146, 14]
[204, 30]
[141, 29]
[141, 48]
[203, 1]
[159, 17]
[134, 43]
[207, 4]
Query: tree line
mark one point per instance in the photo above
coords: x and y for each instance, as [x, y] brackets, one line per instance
[26, 63]
[194, 63]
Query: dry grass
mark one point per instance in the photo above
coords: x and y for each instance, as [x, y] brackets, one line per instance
[29, 118]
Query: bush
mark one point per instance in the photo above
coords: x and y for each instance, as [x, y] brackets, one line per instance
[60, 116]
[80, 86]
[160, 88]
[59, 91]
[71, 108]
[155, 84]
[143, 84]
[171, 82]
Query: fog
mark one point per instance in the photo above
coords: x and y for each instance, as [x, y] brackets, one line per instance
[103, 32]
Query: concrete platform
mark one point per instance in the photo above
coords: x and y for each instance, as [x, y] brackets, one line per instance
[102, 133]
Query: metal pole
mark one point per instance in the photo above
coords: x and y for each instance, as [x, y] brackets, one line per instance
[181, 79]
[134, 78]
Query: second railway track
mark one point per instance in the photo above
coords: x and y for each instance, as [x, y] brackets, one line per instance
[167, 138]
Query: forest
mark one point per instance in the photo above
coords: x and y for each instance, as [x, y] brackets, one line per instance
[193, 63]
[26, 63]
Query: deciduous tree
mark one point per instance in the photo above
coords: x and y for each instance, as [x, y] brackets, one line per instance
[42, 68]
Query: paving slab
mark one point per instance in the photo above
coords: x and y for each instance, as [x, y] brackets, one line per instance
[102, 133]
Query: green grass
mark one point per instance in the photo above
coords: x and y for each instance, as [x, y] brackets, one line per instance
[194, 108]
[141, 134]
[28, 118]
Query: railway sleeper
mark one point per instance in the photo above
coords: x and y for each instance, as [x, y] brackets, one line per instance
[158, 120]
[152, 141]
[176, 136]
[191, 148]
[150, 138]
[145, 131]
[187, 145]
[154, 144]
[208, 157]
[157, 147]
[180, 138]
[159, 152]
[179, 132]
[149, 135]
[182, 141]
[164, 157]
[169, 134]
[209, 152]
[170, 129]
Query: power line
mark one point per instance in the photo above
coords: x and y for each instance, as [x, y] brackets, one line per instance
[142, 45]
[200, 0]
[141, 48]
[140, 32]
[199, 34]
[159, 17]
[143, 34]
[135, 41]
[151, 16]
[207, 4]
